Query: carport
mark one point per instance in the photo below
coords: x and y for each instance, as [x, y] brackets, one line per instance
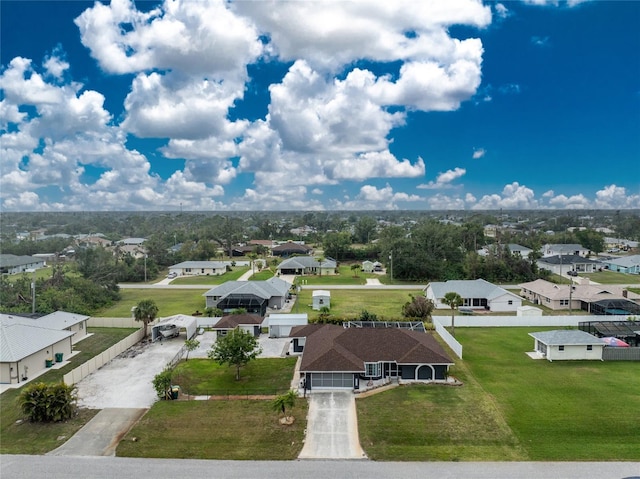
[182, 321]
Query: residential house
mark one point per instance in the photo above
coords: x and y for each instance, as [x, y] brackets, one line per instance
[335, 357]
[563, 249]
[12, 264]
[476, 294]
[254, 296]
[516, 249]
[250, 323]
[29, 346]
[302, 265]
[624, 264]
[291, 248]
[567, 344]
[592, 298]
[371, 266]
[320, 298]
[564, 263]
[198, 268]
[619, 244]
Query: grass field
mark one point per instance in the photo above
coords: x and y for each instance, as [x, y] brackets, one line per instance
[28, 438]
[262, 275]
[230, 430]
[169, 302]
[610, 277]
[565, 410]
[223, 429]
[387, 304]
[510, 408]
[262, 376]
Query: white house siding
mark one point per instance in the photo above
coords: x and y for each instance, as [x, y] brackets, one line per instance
[79, 331]
[321, 299]
[574, 352]
[35, 363]
[504, 303]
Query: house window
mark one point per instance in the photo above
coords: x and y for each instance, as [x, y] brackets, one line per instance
[547, 300]
[321, 301]
[564, 302]
[561, 347]
[187, 270]
[372, 370]
[81, 325]
[202, 271]
[589, 347]
[510, 302]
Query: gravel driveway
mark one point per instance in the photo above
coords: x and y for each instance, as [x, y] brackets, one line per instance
[125, 381]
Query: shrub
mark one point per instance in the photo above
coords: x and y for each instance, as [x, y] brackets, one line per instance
[48, 402]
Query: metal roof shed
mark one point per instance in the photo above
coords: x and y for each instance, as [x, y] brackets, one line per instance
[182, 321]
[280, 325]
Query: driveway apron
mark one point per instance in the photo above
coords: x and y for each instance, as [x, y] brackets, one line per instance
[101, 435]
[332, 427]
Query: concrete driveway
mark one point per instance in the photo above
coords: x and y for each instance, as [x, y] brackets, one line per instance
[101, 435]
[332, 427]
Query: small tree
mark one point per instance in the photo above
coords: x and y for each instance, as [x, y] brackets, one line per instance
[48, 402]
[146, 311]
[237, 348]
[454, 301]
[367, 316]
[162, 382]
[238, 311]
[355, 268]
[320, 259]
[191, 345]
[419, 307]
[284, 403]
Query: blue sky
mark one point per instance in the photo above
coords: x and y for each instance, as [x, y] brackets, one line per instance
[319, 105]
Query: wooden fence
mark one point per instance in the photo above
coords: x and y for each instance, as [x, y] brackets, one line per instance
[101, 359]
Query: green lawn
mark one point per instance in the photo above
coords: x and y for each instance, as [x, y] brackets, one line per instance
[510, 407]
[230, 430]
[611, 277]
[169, 302]
[560, 411]
[221, 429]
[28, 438]
[387, 304]
[262, 275]
[213, 280]
[263, 376]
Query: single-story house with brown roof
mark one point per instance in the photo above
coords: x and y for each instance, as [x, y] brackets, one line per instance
[250, 323]
[290, 248]
[335, 357]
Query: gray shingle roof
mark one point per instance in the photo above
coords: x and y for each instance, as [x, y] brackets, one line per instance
[477, 288]
[299, 262]
[199, 264]
[566, 337]
[263, 289]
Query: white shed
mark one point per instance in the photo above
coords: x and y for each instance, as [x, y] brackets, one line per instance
[529, 311]
[568, 344]
[321, 298]
[280, 324]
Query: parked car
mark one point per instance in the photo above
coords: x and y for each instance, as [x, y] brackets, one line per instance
[572, 273]
[172, 275]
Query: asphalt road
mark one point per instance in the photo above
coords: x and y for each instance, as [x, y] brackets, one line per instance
[53, 467]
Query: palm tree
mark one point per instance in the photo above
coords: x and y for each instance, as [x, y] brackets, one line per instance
[453, 300]
[320, 259]
[146, 311]
[284, 403]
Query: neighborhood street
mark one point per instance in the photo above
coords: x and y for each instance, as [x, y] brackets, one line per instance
[54, 467]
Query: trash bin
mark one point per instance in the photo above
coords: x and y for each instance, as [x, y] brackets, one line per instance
[59, 357]
[175, 390]
[48, 362]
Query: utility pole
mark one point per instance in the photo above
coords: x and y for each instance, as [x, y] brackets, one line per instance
[33, 289]
[145, 268]
[391, 265]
